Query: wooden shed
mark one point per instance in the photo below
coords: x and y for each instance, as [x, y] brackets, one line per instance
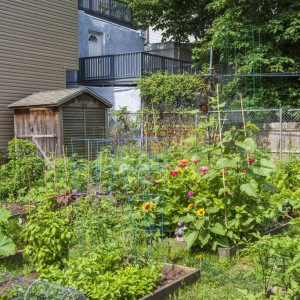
[51, 119]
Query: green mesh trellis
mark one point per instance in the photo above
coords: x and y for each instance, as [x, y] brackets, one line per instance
[144, 170]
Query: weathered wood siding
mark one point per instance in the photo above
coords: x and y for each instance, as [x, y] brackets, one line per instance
[40, 126]
[38, 42]
[269, 137]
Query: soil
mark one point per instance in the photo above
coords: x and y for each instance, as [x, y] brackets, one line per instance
[170, 276]
[16, 209]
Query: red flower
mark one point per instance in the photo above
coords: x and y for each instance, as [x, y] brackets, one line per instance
[174, 172]
[182, 166]
[251, 160]
[157, 183]
[195, 161]
[226, 172]
[168, 166]
[148, 178]
[246, 171]
[228, 168]
[204, 169]
[202, 174]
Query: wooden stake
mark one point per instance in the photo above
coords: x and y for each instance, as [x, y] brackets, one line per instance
[244, 122]
[66, 171]
[220, 137]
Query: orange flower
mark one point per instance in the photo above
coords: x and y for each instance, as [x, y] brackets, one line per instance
[190, 206]
[184, 162]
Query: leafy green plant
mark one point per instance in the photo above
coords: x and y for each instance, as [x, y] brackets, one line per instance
[277, 261]
[47, 236]
[102, 273]
[23, 171]
[10, 233]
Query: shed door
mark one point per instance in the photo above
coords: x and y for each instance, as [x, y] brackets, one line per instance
[82, 123]
[95, 44]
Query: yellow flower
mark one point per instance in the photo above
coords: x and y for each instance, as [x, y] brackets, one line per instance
[199, 256]
[201, 212]
[147, 206]
[295, 212]
[190, 206]
[184, 161]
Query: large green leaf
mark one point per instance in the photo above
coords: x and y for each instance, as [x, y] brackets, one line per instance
[204, 238]
[7, 246]
[218, 229]
[190, 238]
[199, 223]
[222, 241]
[4, 215]
[250, 188]
[225, 162]
[247, 144]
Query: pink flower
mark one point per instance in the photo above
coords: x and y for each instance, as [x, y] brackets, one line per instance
[226, 172]
[182, 166]
[251, 160]
[174, 172]
[190, 194]
[246, 171]
[168, 166]
[204, 169]
[195, 161]
[202, 174]
[156, 182]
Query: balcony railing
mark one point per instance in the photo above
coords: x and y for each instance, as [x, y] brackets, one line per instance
[111, 10]
[130, 65]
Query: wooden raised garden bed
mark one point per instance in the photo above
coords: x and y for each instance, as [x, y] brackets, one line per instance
[175, 278]
[231, 251]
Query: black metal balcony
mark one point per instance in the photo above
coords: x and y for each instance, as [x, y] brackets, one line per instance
[129, 66]
[111, 10]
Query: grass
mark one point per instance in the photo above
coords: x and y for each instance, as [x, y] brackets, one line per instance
[220, 278]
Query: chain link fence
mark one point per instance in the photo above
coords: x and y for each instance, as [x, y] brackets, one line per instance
[278, 129]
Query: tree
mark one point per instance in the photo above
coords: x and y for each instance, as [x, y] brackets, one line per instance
[210, 21]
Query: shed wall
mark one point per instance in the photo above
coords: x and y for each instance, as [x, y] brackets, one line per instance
[83, 118]
[40, 126]
[38, 42]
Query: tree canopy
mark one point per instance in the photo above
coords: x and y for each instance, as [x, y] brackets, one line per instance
[211, 21]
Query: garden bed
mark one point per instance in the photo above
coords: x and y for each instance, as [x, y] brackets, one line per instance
[231, 251]
[175, 278]
[16, 209]
[16, 258]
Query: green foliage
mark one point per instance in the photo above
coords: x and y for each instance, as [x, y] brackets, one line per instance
[47, 236]
[100, 273]
[170, 92]
[10, 233]
[212, 21]
[277, 261]
[23, 171]
[222, 213]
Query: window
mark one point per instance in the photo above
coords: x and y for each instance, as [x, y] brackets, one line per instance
[93, 39]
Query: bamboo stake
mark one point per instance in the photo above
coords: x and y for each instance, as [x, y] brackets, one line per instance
[220, 136]
[66, 171]
[244, 122]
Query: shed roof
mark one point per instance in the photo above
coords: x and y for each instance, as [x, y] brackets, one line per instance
[56, 98]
